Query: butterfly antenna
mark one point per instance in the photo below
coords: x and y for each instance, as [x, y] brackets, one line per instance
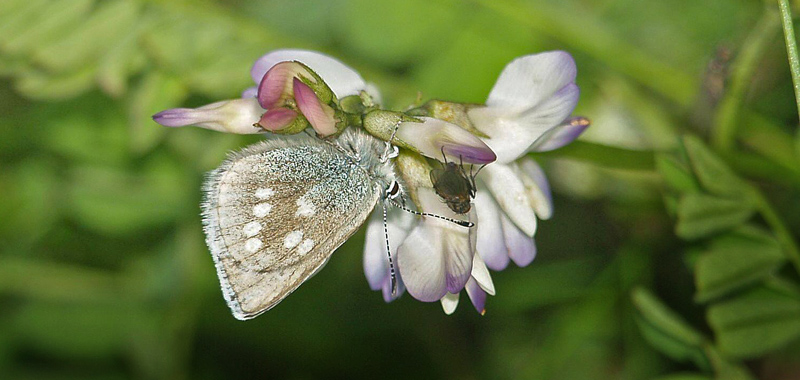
[391, 151]
[462, 223]
[389, 252]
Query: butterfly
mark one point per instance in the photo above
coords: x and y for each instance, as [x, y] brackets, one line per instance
[274, 212]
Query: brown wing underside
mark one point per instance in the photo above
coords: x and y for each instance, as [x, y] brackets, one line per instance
[275, 217]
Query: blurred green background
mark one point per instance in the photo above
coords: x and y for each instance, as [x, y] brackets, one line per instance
[103, 268]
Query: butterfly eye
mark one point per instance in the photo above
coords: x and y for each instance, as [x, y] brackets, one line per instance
[393, 190]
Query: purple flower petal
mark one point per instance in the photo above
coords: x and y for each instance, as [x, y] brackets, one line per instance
[472, 154]
[476, 295]
[521, 248]
[277, 85]
[176, 117]
[560, 135]
[277, 119]
[321, 116]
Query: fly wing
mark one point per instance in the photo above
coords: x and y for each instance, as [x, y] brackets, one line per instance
[275, 212]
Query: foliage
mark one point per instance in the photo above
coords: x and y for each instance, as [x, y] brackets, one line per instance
[672, 252]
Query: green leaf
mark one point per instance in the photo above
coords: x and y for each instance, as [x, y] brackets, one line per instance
[724, 369]
[755, 323]
[395, 46]
[700, 215]
[41, 86]
[114, 201]
[19, 16]
[119, 62]
[57, 19]
[712, 173]
[735, 260]
[84, 45]
[676, 175]
[666, 331]
[31, 200]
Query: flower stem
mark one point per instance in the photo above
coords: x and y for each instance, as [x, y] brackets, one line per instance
[779, 228]
[605, 156]
[791, 47]
[728, 117]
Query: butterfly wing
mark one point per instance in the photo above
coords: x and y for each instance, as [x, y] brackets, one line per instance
[275, 212]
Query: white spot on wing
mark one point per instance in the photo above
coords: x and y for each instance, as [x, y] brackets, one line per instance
[262, 209]
[292, 239]
[305, 207]
[253, 244]
[252, 228]
[264, 193]
[305, 246]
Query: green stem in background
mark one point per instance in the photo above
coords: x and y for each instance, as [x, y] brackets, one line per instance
[603, 155]
[791, 47]
[727, 117]
[782, 233]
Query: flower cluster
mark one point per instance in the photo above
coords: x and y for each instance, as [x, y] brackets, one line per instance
[528, 110]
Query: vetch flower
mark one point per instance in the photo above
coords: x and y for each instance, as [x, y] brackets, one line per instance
[241, 115]
[527, 111]
[533, 95]
[232, 116]
[436, 257]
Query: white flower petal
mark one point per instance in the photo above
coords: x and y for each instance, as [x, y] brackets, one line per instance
[449, 303]
[233, 116]
[532, 95]
[376, 261]
[491, 245]
[341, 79]
[481, 274]
[511, 133]
[528, 80]
[437, 256]
[421, 259]
[512, 196]
[521, 248]
[538, 188]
